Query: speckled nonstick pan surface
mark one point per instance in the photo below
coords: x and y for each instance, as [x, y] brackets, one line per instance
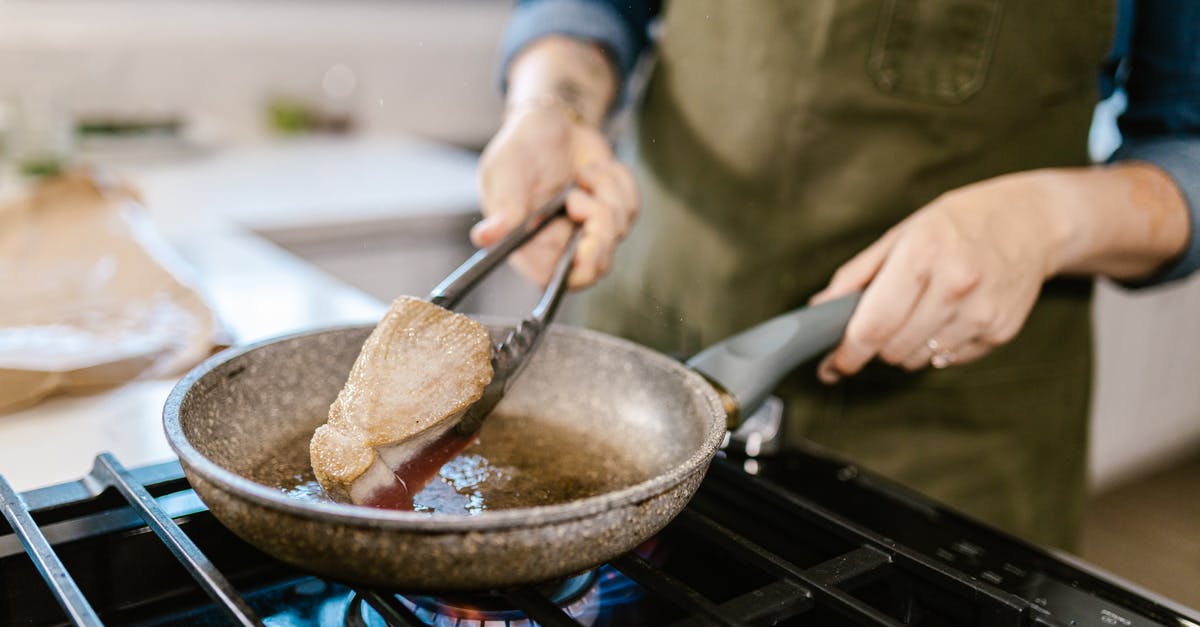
[241, 421]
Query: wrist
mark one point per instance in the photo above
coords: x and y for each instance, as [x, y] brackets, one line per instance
[547, 101]
[1063, 218]
[572, 76]
[1123, 221]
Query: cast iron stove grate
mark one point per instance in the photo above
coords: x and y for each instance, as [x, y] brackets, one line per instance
[837, 547]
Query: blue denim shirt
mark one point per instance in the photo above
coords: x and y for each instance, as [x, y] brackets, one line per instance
[1155, 59]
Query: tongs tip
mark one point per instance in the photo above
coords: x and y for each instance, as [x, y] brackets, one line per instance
[511, 353]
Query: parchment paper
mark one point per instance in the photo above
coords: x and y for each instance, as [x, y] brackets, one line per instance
[90, 294]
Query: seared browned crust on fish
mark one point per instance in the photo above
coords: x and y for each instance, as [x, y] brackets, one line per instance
[422, 366]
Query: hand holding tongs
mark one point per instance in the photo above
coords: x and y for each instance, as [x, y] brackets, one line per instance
[511, 354]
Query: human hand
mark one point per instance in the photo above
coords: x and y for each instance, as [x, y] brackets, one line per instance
[951, 282]
[537, 152]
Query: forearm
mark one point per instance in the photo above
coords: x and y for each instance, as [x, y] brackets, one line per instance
[574, 73]
[1124, 221]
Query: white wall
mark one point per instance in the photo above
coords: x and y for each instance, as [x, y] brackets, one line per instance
[422, 66]
[1146, 409]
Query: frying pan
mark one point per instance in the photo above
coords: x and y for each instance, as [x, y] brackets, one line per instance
[241, 421]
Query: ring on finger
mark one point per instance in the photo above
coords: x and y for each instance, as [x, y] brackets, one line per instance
[940, 357]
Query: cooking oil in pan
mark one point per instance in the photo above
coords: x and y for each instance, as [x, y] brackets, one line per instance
[514, 462]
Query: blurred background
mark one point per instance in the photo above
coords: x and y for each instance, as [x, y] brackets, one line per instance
[340, 137]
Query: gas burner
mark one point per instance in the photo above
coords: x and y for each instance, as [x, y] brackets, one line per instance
[810, 539]
[579, 597]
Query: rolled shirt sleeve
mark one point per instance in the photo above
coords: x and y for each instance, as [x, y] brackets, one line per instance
[621, 30]
[1161, 124]
[1179, 157]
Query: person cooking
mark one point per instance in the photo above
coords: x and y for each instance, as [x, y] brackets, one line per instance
[930, 154]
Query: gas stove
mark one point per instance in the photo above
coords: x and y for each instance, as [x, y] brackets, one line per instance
[795, 538]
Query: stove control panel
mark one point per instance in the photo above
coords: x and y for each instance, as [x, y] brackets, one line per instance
[1060, 604]
[1058, 593]
[1069, 606]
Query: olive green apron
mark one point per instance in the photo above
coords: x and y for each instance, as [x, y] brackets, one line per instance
[778, 138]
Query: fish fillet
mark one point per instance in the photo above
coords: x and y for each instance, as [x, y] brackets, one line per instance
[419, 370]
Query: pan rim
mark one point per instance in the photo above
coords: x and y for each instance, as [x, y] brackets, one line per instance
[408, 521]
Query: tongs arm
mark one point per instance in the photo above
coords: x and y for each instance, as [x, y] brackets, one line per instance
[463, 279]
[511, 354]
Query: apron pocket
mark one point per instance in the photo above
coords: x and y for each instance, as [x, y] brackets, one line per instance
[934, 50]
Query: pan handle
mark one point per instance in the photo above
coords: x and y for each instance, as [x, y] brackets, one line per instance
[750, 364]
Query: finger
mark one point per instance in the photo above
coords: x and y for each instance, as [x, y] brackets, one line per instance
[861, 343]
[634, 197]
[960, 340]
[505, 199]
[596, 206]
[509, 189]
[886, 305]
[854, 275]
[939, 343]
[599, 181]
[911, 352]
[931, 315]
[536, 259]
[598, 241]
[614, 186]
[488, 231]
[959, 354]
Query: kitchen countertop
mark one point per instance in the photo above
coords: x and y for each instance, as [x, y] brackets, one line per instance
[215, 207]
[210, 208]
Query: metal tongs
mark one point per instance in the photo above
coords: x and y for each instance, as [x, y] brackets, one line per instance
[511, 354]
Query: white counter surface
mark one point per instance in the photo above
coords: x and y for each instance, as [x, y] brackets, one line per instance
[257, 289]
[211, 208]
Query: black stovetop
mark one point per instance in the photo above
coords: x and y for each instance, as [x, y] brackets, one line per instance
[807, 540]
